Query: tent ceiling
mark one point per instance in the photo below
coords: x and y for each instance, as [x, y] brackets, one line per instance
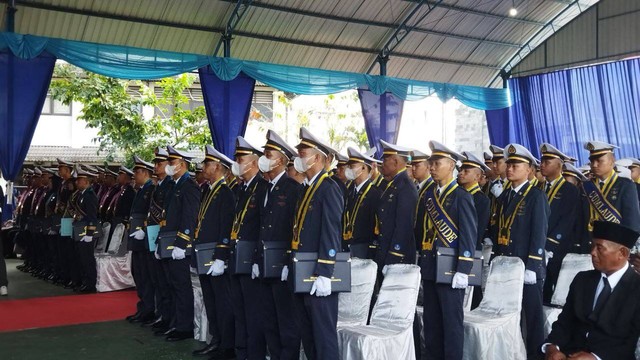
[456, 41]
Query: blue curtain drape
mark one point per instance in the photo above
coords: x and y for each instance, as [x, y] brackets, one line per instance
[228, 104]
[136, 63]
[23, 90]
[567, 108]
[382, 115]
[498, 125]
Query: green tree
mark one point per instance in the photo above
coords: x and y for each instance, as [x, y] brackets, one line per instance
[114, 107]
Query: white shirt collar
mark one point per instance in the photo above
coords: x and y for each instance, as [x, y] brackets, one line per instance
[516, 189]
[552, 182]
[246, 185]
[446, 185]
[276, 179]
[422, 183]
[358, 187]
[614, 278]
[313, 179]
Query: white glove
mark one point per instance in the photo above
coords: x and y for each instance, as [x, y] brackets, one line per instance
[177, 253]
[549, 256]
[87, 239]
[321, 287]
[217, 268]
[285, 273]
[155, 253]
[496, 189]
[138, 234]
[487, 241]
[255, 271]
[51, 232]
[460, 281]
[529, 277]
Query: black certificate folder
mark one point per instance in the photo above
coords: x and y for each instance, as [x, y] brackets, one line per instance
[446, 262]
[204, 256]
[276, 255]
[304, 266]
[242, 256]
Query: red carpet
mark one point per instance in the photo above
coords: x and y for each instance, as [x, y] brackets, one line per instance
[66, 310]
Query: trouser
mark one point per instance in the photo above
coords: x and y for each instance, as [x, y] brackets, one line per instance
[4, 281]
[318, 318]
[533, 317]
[52, 253]
[225, 320]
[67, 257]
[87, 263]
[476, 299]
[245, 300]
[209, 298]
[443, 321]
[75, 260]
[179, 278]
[163, 300]
[282, 331]
[141, 276]
[553, 270]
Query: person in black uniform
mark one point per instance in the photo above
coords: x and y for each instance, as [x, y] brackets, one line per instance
[521, 230]
[250, 341]
[452, 207]
[397, 210]
[612, 198]
[490, 175]
[581, 237]
[215, 219]
[359, 218]
[562, 197]
[635, 173]
[471, 171]
[376, 177]
[138, 244]
[282, 330]
[317, 229]
[601, 317]
[420, 168]
[85, 209]
[181, 213]
[109, 190]
[120, 206]
[338, 174]
[65, 246]
[164, 306]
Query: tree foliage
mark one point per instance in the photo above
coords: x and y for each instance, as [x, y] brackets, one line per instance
[115, 108]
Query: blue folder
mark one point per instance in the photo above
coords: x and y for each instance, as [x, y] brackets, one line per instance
[66, 226]
[152, 236]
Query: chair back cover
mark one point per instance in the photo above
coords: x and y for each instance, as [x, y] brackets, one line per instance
[353, 307]
[503, 293]
[572, 264]
[104, 237]
[396, 301]
[116, 239]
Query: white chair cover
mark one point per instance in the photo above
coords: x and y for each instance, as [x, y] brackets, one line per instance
[390, 333]
[116, 239]
[572, 264]
[492, 331]
[486, 254]
[200, 321]
[102, 240]
[114, 273]
[353, 307]
[468, 297]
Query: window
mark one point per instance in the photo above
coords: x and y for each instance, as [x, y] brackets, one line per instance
[55, 107]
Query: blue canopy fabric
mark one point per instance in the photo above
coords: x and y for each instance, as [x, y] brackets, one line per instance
[382, 115]
[228, 104]
[136, 63]
[570, 107]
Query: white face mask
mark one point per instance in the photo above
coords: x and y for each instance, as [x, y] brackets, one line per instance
[302, 164]
[351, 174]
[170, 169]
[265, 164]
[238, 169]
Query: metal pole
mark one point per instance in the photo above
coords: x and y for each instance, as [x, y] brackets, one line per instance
[11, 16]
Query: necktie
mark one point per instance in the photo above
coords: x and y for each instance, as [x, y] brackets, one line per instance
[438, 193]
[548, 187]
[510, 196]
[601, 184]
[603, 296]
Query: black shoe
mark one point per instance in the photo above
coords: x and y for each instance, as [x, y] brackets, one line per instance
[223, 354]
[70, 285]
[151, 322]
[131, 317]
[84, 289]
[207, 350]
[180, 335]
[143, 318]
[164, 331]
[160, 325]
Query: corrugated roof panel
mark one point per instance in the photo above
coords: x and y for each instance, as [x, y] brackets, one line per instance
[472, 75]
[612, 8]
[51, 24]
[619, 35]
[577, 41]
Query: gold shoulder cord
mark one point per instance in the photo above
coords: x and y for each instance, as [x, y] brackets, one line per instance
[302, 211]
[350, 221]
[504, 224]
[205, 205]
[239, 218]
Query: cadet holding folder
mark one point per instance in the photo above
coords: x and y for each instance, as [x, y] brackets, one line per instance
[215, 219]
[451, 223]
